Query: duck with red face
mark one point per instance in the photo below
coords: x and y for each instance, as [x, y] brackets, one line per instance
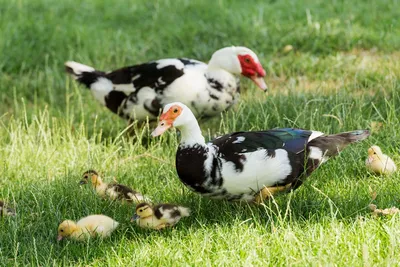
[252, 69]
[139, 92]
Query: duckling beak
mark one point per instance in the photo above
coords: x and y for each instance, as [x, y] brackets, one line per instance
[135, 217]
[59, 238]
[370, 159]
[82, 182]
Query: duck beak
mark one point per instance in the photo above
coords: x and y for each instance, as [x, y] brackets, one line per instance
[135, 217]
[163, 125]
[59, 238]
[259, 81]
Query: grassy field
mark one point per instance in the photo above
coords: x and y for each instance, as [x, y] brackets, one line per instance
[342, 74]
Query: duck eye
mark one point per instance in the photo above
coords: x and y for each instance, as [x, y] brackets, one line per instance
[176, 110]
[247, 60]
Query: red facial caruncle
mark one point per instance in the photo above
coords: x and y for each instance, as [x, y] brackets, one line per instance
[253, 70]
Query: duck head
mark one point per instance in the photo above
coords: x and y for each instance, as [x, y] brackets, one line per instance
[65, 229]
[174, 115]
[143, 210]
[240, 60]
[91, 176]
[374, 153]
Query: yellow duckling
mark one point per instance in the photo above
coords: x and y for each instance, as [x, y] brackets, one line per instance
[159, 216]
[90, 226]
[5, 210]
[113, 191]
[379, 162]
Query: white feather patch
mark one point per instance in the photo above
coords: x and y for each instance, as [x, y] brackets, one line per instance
[170, 62]
[101, 89]
[136, 110]
[210, 157]
[315, 153]
[259, 170]
[126, 88]
[136, 77]
[314, 135]
[239, 140]
[78, 68]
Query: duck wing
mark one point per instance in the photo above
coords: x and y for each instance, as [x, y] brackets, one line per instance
[155, 74]
[292, 140]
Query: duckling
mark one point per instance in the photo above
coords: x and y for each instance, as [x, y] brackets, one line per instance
[5, 210]
[378, 162]
[159, 216]
[90, 226]
[113, 191]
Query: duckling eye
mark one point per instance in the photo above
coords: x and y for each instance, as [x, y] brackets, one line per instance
[175, 110]
[140, 210]
[61, 230]
[162, 124]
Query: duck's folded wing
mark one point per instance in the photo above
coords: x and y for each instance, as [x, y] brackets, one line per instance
[156, 75]
[292, 140]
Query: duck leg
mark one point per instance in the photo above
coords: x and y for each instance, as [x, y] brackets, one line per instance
[267, 192]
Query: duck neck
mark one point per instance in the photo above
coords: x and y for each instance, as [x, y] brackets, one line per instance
[223, 62]
[219, 74]
[76, 231]
[191, 134]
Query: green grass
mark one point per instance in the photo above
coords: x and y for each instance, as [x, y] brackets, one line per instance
[342, 75]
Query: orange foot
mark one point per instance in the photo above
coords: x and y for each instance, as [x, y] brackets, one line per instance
[267, 192]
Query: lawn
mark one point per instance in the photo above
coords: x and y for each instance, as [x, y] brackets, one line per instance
[342, 74]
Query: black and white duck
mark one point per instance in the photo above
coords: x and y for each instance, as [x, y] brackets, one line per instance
[249, 166]
[139, 92]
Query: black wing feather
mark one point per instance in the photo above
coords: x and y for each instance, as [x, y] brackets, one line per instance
[293, 140]
[149, 75]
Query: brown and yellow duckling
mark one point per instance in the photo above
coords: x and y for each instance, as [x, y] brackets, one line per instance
[159, 216]
[5, 210]
[112, 191]
[90, 226]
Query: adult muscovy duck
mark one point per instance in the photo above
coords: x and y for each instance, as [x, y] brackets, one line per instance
[249, 166]
[140, 91]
